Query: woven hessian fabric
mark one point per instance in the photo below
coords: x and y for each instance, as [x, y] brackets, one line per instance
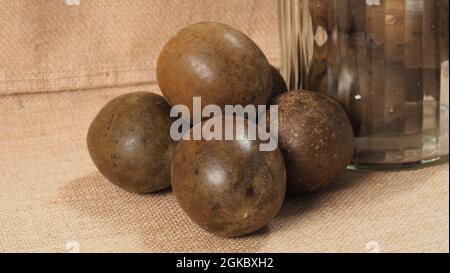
[59, 64]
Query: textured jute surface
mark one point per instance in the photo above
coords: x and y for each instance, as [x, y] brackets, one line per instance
[60, 64]
[47, 45]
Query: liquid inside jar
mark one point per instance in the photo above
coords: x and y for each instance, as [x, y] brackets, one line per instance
[385, 61]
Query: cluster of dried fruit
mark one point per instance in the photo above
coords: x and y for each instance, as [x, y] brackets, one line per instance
[229, 188]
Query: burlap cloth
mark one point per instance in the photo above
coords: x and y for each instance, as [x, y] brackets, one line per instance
[61, 62]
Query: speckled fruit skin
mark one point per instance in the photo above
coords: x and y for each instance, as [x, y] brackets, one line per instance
[129, 142]
[316, 139]
[229, 188]
[215, 62]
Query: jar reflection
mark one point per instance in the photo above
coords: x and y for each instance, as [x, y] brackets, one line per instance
[385, 61]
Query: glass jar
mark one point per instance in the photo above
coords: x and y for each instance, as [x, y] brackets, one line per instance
[385, 61]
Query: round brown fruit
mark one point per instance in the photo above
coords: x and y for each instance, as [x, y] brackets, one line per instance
[316, 139]
[129, 142]
[215, 62]
[229, 188]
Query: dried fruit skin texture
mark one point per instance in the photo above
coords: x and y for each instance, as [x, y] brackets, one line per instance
[229, 188]
[215, 62]
[129, 142]
[316, 139]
